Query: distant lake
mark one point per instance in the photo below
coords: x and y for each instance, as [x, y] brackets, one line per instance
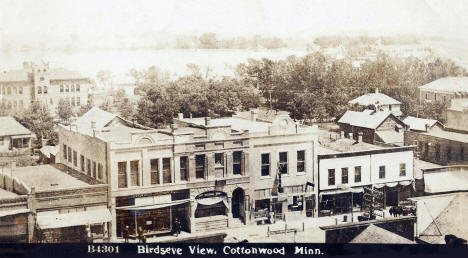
[88, 63]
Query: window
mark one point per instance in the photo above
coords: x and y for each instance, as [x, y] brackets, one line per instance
[134, 173]
[75, 159]
[184, 168]
[237, 162]
[445, 99]
[200, 166]
[283, 162]
[357, 174]
[72, 101]
[72, 88]
[88, 166]
[45, 89]
[77, 88]
[437, 153]
[8, 90]
[167, 179]
[331, 176]
[100, 171]
[219, 165]
[67, 89]
[65, 151]
[154, 171]
[265, 164]
[69, 152]
[39, 90]
[449, 153]
[20, 89]
[42, 79]
[382, 172]
[61, 88]
[82, 165]
[344, 175]
[122, 176]
[402, 169]
[300, 161]
[51, 101]
[78, 103]
[426, 96]
[94, 169]
[462, 153]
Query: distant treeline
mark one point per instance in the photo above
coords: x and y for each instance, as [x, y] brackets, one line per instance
[211, 41]
[349, 41]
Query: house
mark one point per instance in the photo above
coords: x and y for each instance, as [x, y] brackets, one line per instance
[47, 205]
[39, 82]
[444, 89]
[457, 114]
[375, 126]
[419, 124]
[199, 172]
[346, 167]
[380, 101]
[13, 135]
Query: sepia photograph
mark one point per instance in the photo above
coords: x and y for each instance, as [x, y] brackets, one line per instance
[247, 127]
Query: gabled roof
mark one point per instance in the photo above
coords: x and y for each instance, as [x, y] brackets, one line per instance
[391, 137]
[418, 124]
[9, 126]
[48, 150]
[374, 98]
[448, 84]
[97, 115]
[377, 235]
[365, 118]
[263, 115]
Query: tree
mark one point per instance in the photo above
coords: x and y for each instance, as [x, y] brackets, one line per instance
[40, 122]
[126, 109]
[156, 109]
[104, 77]
[64, 110]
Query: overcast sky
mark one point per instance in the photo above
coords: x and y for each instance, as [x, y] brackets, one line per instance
[60, 20]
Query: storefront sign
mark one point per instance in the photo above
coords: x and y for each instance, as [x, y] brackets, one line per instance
[159, 199]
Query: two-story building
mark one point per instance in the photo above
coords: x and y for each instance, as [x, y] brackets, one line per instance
[379, 101]
[346, 166]
[444, 89]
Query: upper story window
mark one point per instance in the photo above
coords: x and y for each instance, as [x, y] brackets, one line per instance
[300, 161]
[357, 174]
[78, 88]
[382, 172]
[8, 90]
[122, 174]
[65, 151]
[82, 163]
[344, 175]
[20, 90]
[237, 162]
[100, 169]
[184, 168]
[134, 173]
[88, 166]
[283, 162]
[199, 166]
[69, 154]
[61, 88]
[45, 89]
[331, 176]
[154, 171]
[75, 158]
[72, 88]
[402, 169]
[219, 165]
[167, 178]
[39, 90]
[94, 169]
[67, 88]
[265, 164]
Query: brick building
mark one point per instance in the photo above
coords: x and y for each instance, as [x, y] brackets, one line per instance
[444, 89]
[39, 82]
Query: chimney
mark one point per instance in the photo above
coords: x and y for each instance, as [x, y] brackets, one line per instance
[360, 137]
[180, 116]
[342, 135]
[207, 120]
[427, 127]
[376, 90]
[173, 127]
[44, 141]
[191, 115]
[253, 115]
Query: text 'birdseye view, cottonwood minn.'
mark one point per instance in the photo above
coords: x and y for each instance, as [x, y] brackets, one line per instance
[166, 131]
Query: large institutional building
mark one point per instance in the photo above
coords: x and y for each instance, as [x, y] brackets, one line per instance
[39, 82]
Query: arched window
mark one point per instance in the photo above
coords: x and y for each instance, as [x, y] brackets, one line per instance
[39, 90]
[61, 88]
[9, 91]
[72, 88]
[78, 88]
[45, 89]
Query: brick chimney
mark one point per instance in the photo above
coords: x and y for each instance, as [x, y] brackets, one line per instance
[207, 120]
[253, 115]
[376, 90]
[180, 116]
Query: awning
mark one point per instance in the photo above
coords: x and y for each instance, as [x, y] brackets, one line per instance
[393, 184]
[440, 182]
[405, 183]
[21, 136]
[72, 219]
[212, 200]
[153, 206]
[340, 191]
[13, 212]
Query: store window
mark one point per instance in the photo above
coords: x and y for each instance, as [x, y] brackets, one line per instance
[184, 168]
[331, 176]
[122, 174]
[283, 162]
[300, 161]
[265, 164]
[154, 171]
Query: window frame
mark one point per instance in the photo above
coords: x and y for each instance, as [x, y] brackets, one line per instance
[237, 164]
[402, 169]
[122, 174]
[382, 172]
[345, 171]
[165, 170]
[200, 166]
[184, 170]
[283, 165]
[331, 176]
[303, 162]
[154, 172]
[356, 174]
[263, 165]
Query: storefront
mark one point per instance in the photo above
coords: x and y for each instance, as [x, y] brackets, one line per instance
[213, 203]
[396, 191]
[340, 201]
[54, 227]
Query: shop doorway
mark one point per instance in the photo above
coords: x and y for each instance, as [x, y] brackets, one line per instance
[237, 204]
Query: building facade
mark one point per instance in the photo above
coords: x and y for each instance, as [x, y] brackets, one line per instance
[39, 82]
[444, 89]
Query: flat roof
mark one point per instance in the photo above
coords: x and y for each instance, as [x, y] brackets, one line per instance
[46, 177]
[6, 194]
[238, 124]
[348, 145]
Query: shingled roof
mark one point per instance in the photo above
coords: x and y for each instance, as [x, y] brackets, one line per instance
[9, 126]
[373, 99]
[366, 118]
